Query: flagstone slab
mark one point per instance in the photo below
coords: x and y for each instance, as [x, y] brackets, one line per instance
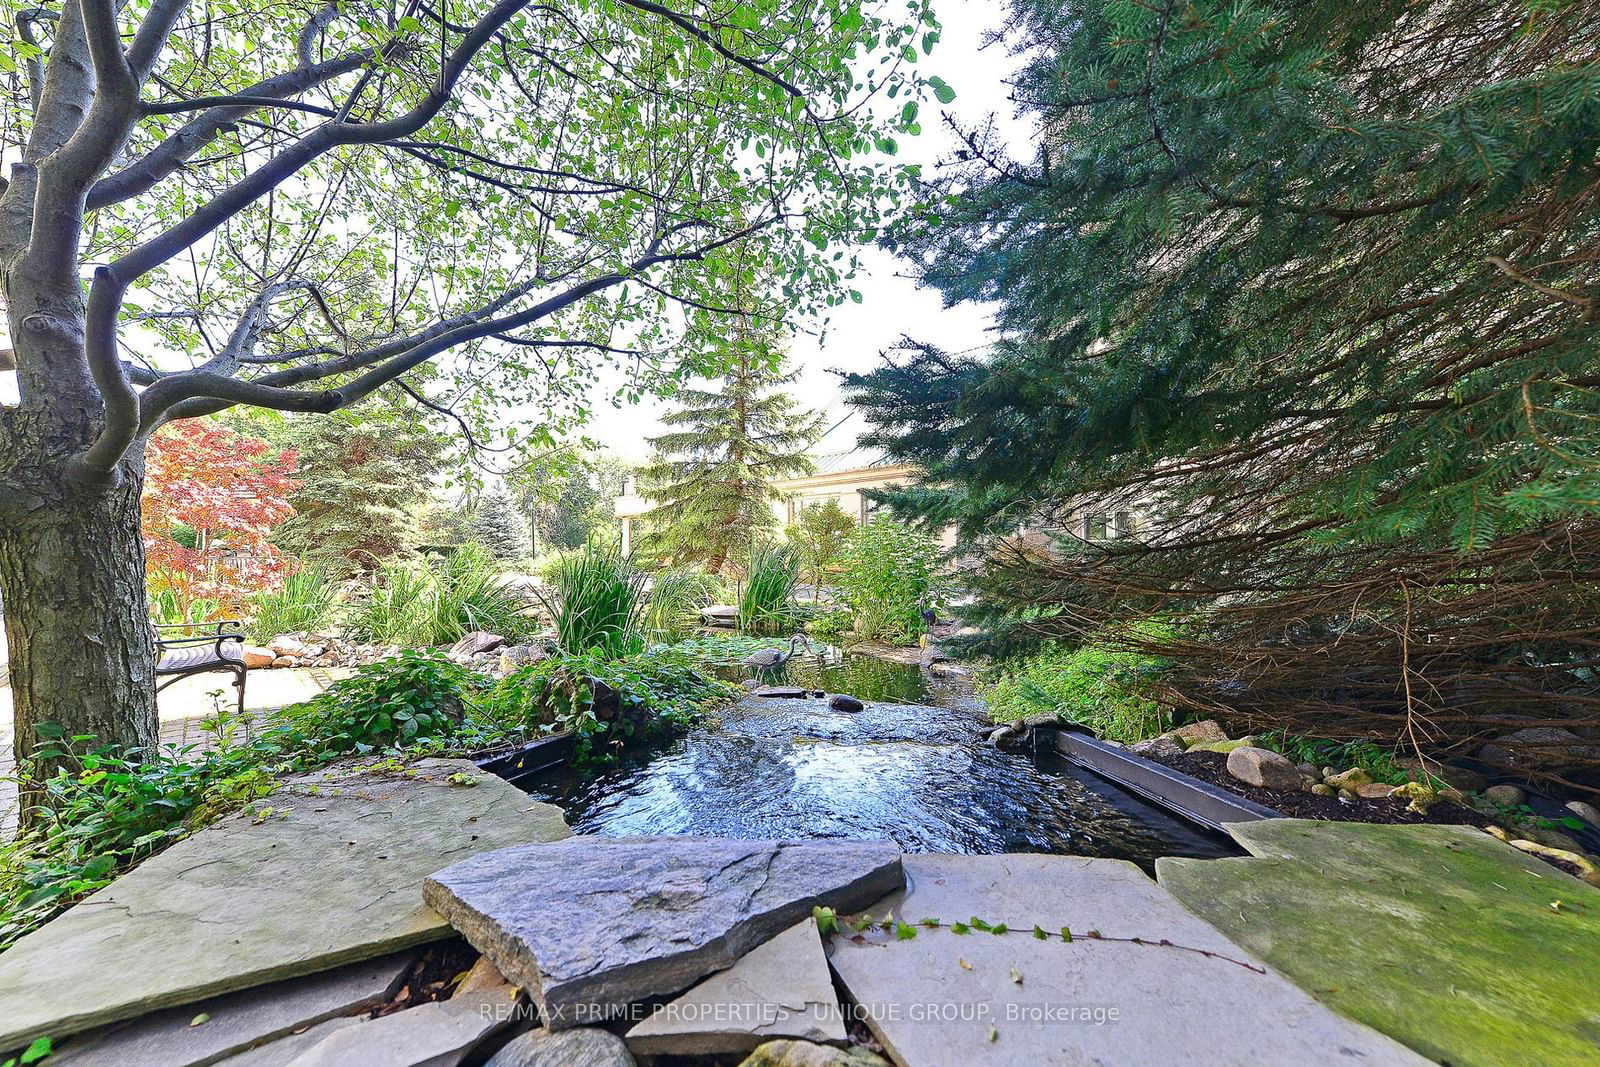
[238, 1021]
[591, 924]
[1460, 946]
[779, 989]
[440, 1034]
[331, 876]
[945, 998]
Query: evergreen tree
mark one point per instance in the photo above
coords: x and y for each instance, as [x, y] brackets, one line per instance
[497, 527]
[1314, 288]
[568, 499]
[365, 475]
[711, 478]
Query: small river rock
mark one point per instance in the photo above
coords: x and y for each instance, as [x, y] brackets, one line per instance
[1263, 768]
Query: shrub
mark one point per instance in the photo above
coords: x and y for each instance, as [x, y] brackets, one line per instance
[305, 602]
[410, 700]
[1098, 685]
[819, 535]
[417, 607]
[676, 597]
[890, 573]
[767, 602]
[168, 607]
[597, 602]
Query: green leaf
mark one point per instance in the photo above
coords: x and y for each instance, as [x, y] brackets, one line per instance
[941, 89]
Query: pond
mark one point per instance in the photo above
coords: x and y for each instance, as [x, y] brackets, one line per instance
[918, 775]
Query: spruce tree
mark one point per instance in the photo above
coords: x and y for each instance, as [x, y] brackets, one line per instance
[498, 527]
[1313, 289]
[365, 475]
[712, 474]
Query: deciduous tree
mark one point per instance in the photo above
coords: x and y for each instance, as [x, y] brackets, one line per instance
[293, 205]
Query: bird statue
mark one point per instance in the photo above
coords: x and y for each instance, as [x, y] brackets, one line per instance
[765, 660]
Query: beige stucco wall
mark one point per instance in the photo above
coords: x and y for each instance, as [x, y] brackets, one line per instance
[845, 488]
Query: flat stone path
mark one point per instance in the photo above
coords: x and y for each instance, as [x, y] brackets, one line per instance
[327, 871]
[1466, 949]
[942, 998]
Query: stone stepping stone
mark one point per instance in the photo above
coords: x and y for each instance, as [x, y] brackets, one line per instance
[1440, 936]
[780, 989]
[440, 1034]
[982, 998]
[239, 1021]
[331, 876]
[591, 924]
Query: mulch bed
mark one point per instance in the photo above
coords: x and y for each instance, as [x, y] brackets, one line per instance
[1212, 767]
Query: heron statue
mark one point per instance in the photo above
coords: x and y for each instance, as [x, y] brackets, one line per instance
[768, 660]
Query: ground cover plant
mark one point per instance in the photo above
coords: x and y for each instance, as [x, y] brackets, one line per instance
[1100, 684]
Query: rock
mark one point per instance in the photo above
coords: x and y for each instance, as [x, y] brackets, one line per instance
[437, 1034]
[720, 615]
[590, 924]
[1225, 746]
[1421, 796]
[256, 657]
[283, 661]
[1537, 746]
[1395, 903]
[238, 1021]
[1002, 735]
[845, 702]
[477, 641]
[1348, 794]
[780, 692]
[1585, 811]
[1263, 769]
[290, 645]
[1322, 789]
[949, 670]
[1349, 779]
[1329, 772]
[806, 1054]
[1309, 770]
[1194, 732]
[1157, 748]
[515, 657]
[332, 877]
[779, 989]
[926, 1008]
[1508, 796]
[1373, 790]
[583, 1047]
[1462, 778]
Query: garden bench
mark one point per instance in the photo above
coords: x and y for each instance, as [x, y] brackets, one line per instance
[207, 646]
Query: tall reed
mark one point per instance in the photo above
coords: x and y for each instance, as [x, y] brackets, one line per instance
[767, 603]
[597, 602]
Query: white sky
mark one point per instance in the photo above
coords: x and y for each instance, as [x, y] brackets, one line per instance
[892, 305]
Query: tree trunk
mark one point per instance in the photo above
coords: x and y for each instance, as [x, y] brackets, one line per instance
[72, 578]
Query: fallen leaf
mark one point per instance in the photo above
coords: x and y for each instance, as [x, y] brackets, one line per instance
[203, 1017]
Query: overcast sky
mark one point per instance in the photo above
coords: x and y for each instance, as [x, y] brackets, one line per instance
[892, 305]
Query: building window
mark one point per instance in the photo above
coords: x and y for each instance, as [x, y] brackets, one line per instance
[1095, 526]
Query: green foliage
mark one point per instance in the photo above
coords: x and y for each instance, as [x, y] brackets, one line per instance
[889, 573]
[167, 607]
[676, 597]
[598, 603]
[106, 810]
[711, 479]
[1099, 685]
[411, 700]
[719, 650]
[607, 703]
[819, 534]
[306, 602]
[1374, 759]
[499, 529]
[417, 606]
[766, 603]
[569, 499]
[365, 474]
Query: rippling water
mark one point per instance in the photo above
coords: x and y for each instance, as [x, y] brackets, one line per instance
[914, 774]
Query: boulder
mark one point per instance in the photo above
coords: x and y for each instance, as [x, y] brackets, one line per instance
[1322, 789]
[256, 657]
[1195, 732]
[1373, 790]
[284, 661]
[437, 1034]
[477, 641]
[1350, 779]
[290, 645]
[1225, 747]
[1585, 811]
[583, 1047]
[1508, 796]
[1157, 748]
[808, 1054]
[1263, 769]
[845, 702]
[591, 924]
[1538, 746]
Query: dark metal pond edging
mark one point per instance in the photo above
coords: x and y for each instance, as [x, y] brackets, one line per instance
[1200, 802]
[521, 764]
